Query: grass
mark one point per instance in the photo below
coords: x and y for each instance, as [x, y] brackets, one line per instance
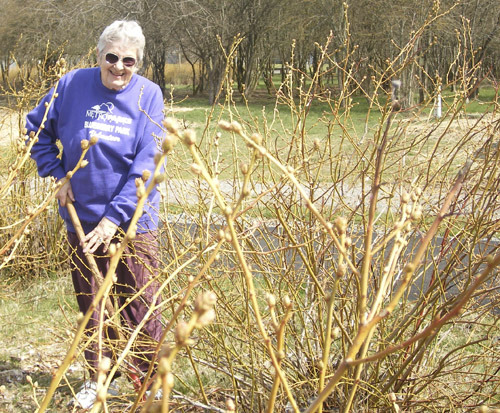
[34, 334]
[278, 124]
[484, 102]
[36, 304]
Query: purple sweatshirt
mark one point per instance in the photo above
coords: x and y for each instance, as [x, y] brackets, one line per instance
[126, 145]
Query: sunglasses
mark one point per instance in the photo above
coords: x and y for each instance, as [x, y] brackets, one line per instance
[111, 58]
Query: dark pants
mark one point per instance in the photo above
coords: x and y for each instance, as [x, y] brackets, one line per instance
[137, 267]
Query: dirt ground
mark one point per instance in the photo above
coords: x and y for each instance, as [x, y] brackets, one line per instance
[9, 127]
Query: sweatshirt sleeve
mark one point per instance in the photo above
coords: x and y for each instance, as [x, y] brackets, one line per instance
[45, 152]
[122, 207]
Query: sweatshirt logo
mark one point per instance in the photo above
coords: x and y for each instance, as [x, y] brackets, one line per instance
[104, 124]
[100, 110]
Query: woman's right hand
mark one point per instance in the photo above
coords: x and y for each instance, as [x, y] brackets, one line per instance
[64, 193]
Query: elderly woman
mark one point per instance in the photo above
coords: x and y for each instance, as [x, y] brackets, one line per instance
[123, 110]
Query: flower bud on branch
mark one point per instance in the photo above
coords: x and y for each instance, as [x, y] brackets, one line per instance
[171, 125]
[168, 143]
[189, 137]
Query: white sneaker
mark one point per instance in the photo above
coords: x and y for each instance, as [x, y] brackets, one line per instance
[158, 395]
[114, 388]
[85, 398]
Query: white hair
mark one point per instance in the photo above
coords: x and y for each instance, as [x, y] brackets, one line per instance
[127, 32]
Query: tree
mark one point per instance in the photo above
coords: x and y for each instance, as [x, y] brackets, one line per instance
[205, 29]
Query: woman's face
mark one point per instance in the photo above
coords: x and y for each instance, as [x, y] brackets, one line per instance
[115, 75]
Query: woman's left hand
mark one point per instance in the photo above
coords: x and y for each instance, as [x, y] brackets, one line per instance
[102, 234]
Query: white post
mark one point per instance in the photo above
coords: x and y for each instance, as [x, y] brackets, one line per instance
[438, 112]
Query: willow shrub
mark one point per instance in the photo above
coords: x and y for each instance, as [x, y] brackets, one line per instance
[339, 268]
[357, 270]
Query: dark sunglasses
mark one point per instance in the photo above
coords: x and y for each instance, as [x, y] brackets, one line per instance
[127, 61]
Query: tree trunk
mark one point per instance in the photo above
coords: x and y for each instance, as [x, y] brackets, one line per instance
[158, 61]
[215, 72]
